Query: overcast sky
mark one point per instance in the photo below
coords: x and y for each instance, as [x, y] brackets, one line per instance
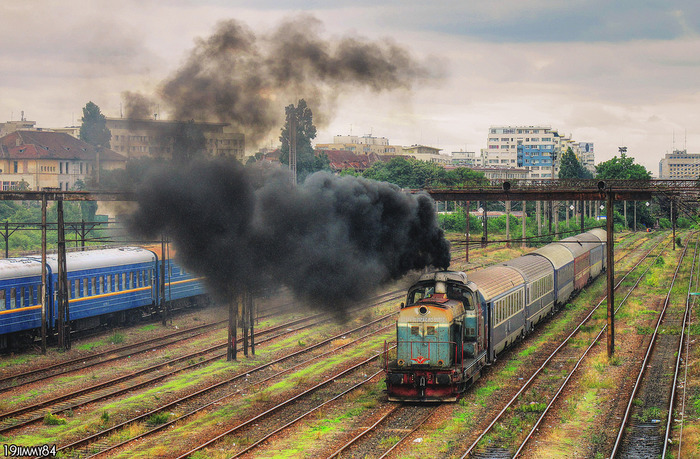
[609, 72]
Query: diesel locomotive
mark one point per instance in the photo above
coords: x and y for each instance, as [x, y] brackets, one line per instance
[454, 324]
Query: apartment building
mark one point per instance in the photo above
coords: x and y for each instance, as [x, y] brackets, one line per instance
[680, 165]
[534, 148]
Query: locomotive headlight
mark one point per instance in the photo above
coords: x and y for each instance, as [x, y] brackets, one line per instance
[401, 362]
[441, 363]
[423, 310]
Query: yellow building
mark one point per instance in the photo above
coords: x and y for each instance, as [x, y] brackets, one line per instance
[34, 160]
[147, 137]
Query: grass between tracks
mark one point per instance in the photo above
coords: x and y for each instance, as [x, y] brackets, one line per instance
[255, 399]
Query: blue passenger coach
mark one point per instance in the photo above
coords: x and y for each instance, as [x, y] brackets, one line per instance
[103, 285]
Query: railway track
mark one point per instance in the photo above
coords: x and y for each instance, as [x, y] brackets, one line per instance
[391, 429]
[218, 393]
[541, 389]
[645, 426]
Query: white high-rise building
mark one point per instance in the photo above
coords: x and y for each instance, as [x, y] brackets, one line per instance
[537, 149]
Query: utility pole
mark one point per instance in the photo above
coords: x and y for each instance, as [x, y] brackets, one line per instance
[524, 223]
[44, 281]
[611, 275]
[163, 311]
[466, 246]
[508, 224]
[63, 321]
[232, 344]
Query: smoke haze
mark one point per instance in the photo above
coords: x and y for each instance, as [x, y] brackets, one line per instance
[238, 77]
[333, 240]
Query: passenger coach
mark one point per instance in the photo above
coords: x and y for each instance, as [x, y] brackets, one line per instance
[104, 285]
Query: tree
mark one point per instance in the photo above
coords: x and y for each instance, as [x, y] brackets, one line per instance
[571, 168]
[94, 128]
[307, 162]
[622, 168]
[412, 173]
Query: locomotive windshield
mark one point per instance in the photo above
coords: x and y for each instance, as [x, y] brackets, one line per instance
[428, 289]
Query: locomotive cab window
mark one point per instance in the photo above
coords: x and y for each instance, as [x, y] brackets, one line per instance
[419, 293]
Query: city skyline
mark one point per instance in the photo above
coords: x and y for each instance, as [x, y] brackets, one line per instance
[612, 74]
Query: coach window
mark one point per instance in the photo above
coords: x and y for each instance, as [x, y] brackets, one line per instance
[131, 279]
[85, 286]
[13, 296]
[3, 304]
[100, 285]
[21, 297]
[93, 281]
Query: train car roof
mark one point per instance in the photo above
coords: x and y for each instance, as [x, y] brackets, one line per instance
[496, 280]
[600, 234]
[557, 254]
[103, 258]
[574, 245]
[13, 268]
[591, 239]
[532, 268]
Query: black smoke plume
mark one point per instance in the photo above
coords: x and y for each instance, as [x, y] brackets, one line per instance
[246, 79]
[333, 240]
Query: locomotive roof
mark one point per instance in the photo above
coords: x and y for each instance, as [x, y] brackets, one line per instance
[445, 276]
[103, 258]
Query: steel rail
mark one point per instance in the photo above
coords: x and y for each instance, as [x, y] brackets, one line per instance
[685, 366]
